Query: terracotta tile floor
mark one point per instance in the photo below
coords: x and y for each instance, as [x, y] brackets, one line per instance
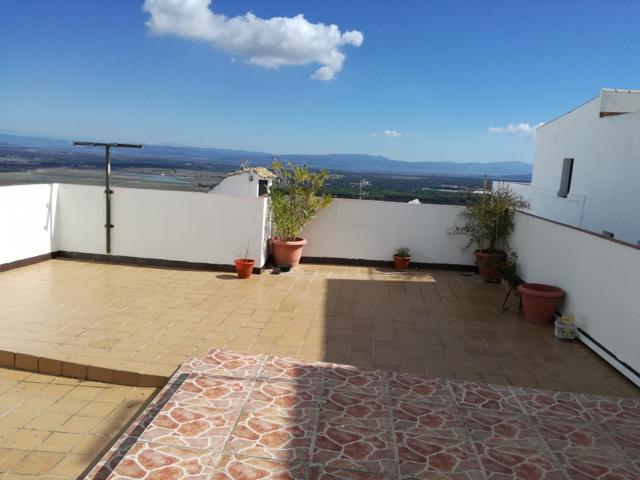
[149, 320]
[243, 416]
[52, 427]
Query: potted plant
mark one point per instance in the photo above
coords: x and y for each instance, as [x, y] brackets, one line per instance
[488, 223]
[540, 301]
[401, 259]
[244, 265]
[295, 199]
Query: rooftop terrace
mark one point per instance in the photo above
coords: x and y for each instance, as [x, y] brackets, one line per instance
[142, 320]
[86, 325]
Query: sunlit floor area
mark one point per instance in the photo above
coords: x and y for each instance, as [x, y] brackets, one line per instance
[53, 427]
[149, 320]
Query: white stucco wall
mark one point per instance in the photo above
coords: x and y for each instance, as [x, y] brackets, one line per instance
[238, 185]
[604, 192]
[601, 278]
[28, 225]
[373, 230]
[182, 226]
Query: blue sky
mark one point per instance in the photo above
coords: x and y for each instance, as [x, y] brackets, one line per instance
[435, 76]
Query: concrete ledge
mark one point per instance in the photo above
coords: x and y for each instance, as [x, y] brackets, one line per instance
[25, 261]
[61, 368]
[361, 262]
[149, 262]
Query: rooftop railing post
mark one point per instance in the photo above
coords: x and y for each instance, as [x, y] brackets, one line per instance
[107, 180]
[107, 193]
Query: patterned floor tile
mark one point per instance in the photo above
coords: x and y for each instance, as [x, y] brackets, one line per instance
[355, 448]
[222, 362]
[350, 408]
[214, 391]
[189, 366]
[437, 420]
[289, 369]
[282, 398]
[147, 460]
[576, 437]
[548, 403]
[502, 463]
[272, 436]
[426, 457]
[329, 473]
[587, 468]
[428, 390]
[348, 378]
[625, 410]
[626, 437]
[480, 395]
[239, 467]
[501, 429]
[192, 426]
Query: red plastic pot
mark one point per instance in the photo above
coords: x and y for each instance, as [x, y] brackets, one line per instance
[539, 302]
[287, 252]
[401, 264]
[487, 261]
[244, 267]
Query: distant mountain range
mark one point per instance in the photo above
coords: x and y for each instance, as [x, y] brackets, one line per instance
[185, 157]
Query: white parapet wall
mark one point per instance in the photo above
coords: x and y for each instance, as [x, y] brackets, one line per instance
[373, 230]
[159, 224]
[28, 225]
[600, 276]
[546, 203]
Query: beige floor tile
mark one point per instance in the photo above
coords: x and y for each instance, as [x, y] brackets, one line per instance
[38, 463]
[10, 458]
[48, 421]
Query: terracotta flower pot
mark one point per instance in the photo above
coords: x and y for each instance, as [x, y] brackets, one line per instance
[539, 301]
[487, 261]
[287, 252]
[401, 264]
[244, 267]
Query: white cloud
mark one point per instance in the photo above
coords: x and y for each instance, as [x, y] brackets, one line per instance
[519, 128]
[392, 133]
[271, 42]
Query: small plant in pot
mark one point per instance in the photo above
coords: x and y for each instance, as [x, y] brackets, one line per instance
[401, 259]
[488, 225]
[244, 265]
[295, 199]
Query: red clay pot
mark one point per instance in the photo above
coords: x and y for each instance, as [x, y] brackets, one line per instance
[401, 264]
[487, 261]
[539, 302]
[244, 267]
[287, 252]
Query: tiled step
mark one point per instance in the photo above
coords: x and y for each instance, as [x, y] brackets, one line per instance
[60, 368]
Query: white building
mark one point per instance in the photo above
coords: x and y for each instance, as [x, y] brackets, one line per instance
[247, 182]
[586, 170]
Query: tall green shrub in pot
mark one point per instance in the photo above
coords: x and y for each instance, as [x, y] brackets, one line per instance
[488, 224]
[295, 199]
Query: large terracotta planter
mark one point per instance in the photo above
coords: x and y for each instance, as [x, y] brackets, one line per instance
[539, 301]
[244, 267]
[487, 261]
[287, 252]
[401, 264]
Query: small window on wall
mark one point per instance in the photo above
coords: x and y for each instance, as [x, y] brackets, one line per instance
[565, 179]
[263, 187]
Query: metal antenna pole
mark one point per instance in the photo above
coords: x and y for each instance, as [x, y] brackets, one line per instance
[107, 179]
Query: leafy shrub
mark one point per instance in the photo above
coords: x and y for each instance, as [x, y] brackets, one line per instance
[295, 198]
